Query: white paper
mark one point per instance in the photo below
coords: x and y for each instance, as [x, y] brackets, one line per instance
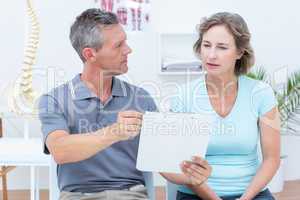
[167, 139]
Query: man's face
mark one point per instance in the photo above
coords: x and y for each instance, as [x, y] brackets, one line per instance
[112, 57]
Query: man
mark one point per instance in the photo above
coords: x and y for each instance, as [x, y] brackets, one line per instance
[91, 124]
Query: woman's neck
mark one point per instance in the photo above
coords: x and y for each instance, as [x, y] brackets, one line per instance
[222, 85]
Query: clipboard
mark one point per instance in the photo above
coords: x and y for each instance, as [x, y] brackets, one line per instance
[167, 139]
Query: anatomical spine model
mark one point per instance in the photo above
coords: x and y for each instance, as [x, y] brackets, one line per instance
[23, 99]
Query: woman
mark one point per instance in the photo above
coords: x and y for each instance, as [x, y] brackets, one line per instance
[245, 112]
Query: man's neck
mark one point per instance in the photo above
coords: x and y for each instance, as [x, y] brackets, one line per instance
[98, 82]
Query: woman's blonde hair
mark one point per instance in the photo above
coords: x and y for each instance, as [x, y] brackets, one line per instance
[239, 29]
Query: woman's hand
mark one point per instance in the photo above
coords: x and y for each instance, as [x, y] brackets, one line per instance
[197, 171]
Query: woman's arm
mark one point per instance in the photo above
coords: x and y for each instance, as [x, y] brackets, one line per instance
[195, 172]
[270, 145]
[191, 173]
[202, 190]
[179, 179]
[205, 192]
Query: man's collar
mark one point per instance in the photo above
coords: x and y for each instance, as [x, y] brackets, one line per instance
[118, 88]
[80, 91]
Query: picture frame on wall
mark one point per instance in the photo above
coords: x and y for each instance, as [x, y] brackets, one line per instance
[176, 55]
[134, 15]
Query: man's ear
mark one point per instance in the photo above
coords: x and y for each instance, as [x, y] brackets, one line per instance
[88, 54]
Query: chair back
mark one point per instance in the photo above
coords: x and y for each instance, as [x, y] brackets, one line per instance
[148, 176]
[171, 190]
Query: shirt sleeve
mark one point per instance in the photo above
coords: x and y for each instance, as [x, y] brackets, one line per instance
[265, 99]
[144, 101]
[152, 105]
[51, 117]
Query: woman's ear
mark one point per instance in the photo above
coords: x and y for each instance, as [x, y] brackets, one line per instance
[240, 54]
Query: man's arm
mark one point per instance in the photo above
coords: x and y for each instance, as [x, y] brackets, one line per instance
[68, 148]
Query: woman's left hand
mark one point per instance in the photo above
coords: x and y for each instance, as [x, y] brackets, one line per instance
[197, 171]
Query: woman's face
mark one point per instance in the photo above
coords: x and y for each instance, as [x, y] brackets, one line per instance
[218, 51]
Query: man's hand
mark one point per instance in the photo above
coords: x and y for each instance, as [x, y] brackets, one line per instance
[128, 125]
[196, 171]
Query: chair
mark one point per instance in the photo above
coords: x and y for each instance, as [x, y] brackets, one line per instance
[3, 171]
[54, 190]
[171, 190]
[149, 184]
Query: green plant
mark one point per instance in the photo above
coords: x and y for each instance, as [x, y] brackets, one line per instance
[288, 97]
[259, 74]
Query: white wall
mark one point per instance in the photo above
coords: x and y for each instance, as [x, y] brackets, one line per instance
[273, 24]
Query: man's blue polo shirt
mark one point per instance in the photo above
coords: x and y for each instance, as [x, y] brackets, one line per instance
[74, 108]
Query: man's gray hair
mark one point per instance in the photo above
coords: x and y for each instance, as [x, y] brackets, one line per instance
[86, 31]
